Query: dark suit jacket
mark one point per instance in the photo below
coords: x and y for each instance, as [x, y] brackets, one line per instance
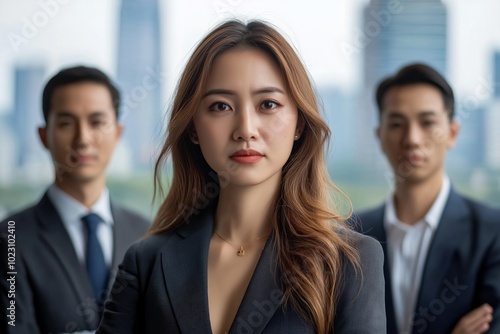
[462, 269]
[161, 287]
[52, 290]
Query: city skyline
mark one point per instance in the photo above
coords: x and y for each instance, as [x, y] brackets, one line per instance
[332, 46]
[394, 32]
[326, 59]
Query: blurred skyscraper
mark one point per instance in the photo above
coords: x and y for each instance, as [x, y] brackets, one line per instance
[469, 152]
[8, 150]
[140, 78]
[395, 33]
[339, 112]
[413, 31]
[492, 141]
[27, 115]
[496, 74]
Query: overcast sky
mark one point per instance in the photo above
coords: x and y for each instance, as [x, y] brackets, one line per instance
[86, 31]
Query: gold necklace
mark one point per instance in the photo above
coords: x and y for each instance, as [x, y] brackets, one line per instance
[241, 249]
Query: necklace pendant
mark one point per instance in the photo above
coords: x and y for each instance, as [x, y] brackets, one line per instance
[241, 252]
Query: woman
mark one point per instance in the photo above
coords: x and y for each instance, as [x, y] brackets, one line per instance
[245, 241]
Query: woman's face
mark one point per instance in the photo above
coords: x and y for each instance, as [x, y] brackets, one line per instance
[246, 122]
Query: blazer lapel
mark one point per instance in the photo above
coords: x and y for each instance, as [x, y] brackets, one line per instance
[262, 297]
[58, 242]
[184, 264]
[447, 239]
[378, 232]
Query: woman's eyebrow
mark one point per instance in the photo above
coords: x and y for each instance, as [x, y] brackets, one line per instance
[220, 91]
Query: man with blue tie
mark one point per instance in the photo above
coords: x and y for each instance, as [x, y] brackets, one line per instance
[68, 245]
[442, 265]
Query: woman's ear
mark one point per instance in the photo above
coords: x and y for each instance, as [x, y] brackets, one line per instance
[300, 127]
[193, 136]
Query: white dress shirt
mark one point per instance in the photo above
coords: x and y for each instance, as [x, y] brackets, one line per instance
[71, 212]
[407, 247]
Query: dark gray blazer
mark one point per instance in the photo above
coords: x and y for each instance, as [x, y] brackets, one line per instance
[52, 290]
[161, 287]
[462, 269]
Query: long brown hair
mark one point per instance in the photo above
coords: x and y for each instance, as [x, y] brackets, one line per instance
[307, 241]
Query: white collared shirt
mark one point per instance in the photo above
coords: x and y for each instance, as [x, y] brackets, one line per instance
[71, 212]
[407, 248]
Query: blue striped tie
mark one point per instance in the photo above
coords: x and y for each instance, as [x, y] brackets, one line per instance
[96, 266]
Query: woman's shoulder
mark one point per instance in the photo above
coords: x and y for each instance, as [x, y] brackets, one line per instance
[362, 289]
[150, 246]
[369, 249]
[365, 244]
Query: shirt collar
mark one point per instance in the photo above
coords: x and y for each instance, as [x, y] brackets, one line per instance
[432, 216]
[71, 210]
[390, 217]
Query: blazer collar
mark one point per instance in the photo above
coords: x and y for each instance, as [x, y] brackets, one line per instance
[185, 265]
[58, 242]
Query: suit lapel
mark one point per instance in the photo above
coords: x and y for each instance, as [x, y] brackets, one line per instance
[447, 239]
[121, 241]
[58, 242]
[262, 297]
[126, 231]
[184, 264]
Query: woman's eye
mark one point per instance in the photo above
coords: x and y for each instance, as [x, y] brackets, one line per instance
[219, 106]
[269, 105]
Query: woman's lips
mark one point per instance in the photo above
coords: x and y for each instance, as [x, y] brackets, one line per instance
[247, 156]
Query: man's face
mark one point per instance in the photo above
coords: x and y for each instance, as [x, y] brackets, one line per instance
[415, 131]
[81, 131]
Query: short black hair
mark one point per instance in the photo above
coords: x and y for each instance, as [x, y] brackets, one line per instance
[415, 74]
[78, 74]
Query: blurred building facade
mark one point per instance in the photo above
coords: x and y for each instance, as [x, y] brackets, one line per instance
[492, 140]
[394, 34]
[27, 115]
[140, 78]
